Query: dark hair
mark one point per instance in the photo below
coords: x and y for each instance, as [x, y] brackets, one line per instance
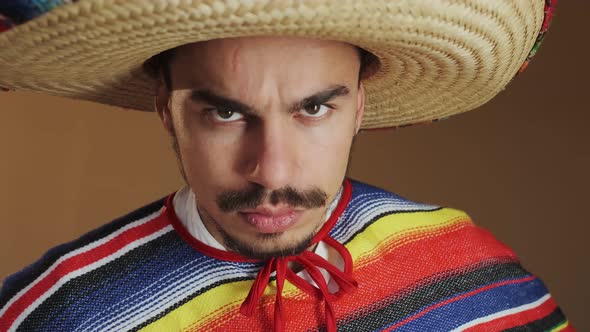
[161, 63]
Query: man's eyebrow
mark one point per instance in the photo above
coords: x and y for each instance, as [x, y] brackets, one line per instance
[219, 101]
[321, 97]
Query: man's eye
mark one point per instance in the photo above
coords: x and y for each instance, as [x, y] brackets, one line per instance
[222, 115]
[316, 111]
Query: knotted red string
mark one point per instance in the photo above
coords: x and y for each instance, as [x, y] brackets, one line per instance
[311, 262]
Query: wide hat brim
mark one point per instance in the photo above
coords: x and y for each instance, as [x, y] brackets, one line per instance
[437, 57]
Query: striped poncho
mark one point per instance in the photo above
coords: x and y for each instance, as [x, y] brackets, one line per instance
[418, 268]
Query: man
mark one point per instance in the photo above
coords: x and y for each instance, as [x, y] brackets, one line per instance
[268, 234]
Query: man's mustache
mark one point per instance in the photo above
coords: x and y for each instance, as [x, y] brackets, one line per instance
[231, 201]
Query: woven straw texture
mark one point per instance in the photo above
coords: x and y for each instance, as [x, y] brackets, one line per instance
[438, 57]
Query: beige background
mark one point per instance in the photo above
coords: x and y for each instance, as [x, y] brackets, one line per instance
[519, 165]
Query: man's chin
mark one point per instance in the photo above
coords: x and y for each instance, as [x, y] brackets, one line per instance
[269, 236]
[267, 245]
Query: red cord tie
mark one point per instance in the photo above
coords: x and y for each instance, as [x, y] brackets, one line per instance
[311, 262]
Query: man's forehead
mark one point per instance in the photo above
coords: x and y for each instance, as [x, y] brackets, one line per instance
[249, 62]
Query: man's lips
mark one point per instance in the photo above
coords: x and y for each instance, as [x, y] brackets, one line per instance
[271, 220]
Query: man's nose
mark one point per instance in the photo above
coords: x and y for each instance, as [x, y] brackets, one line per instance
[272, 160]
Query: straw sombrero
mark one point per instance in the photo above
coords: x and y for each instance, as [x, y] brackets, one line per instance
[437, 57]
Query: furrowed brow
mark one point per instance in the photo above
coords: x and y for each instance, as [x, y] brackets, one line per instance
[222, 102]
[321, 97]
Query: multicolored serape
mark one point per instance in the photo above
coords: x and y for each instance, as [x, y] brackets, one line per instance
[418, 267]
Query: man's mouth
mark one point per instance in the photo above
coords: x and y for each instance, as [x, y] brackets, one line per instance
[271, 220]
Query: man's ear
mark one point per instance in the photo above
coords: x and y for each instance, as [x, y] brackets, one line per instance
[161, 105]
[360, 111]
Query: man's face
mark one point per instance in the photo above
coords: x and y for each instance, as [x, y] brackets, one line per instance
[263, 129]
